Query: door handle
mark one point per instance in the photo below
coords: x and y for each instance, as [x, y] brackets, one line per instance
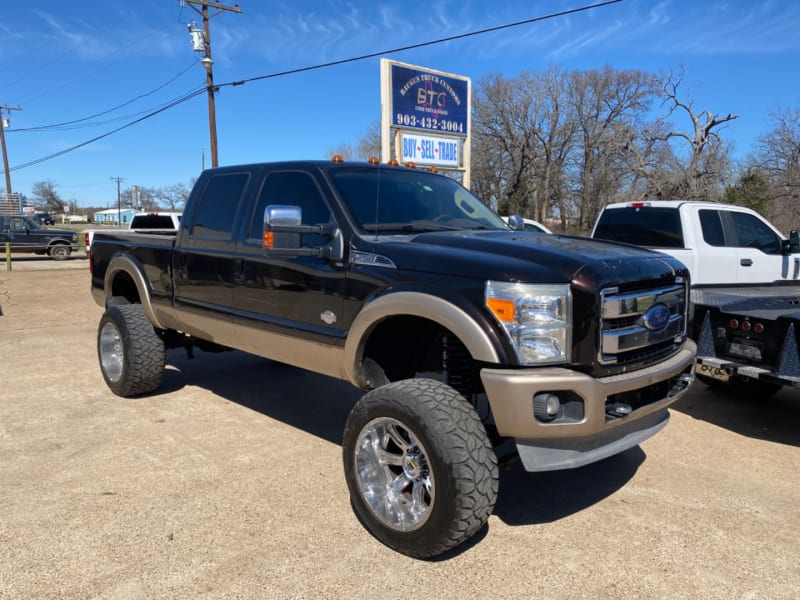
[746, 262]
[238, 271]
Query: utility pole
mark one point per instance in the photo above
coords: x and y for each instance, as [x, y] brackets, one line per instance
[203, 44]
[119, 199]
[3, 122]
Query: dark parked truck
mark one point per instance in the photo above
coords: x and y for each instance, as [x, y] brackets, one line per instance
[466, 336]
[24, 234]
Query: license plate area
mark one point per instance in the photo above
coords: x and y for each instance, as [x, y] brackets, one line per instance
[713, 372]
[745, 350]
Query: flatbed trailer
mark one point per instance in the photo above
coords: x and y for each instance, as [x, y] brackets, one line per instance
[747, 336]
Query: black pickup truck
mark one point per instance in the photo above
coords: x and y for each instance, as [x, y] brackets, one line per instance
[24, 234]
[466, 335]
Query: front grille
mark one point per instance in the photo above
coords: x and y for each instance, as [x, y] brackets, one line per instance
[643, 324]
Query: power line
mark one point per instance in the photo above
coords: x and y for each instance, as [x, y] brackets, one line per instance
[108, 133]
[65, 124]
[423, 44]
[195, 93]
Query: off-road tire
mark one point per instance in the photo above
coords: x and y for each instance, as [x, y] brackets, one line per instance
[130, 352]
[424, 438]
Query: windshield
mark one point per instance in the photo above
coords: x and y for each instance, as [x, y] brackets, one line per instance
[398, 200]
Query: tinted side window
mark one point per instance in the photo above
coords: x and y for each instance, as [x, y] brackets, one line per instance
[216, 209]
[643, 226]
[711, 225]
[294, 188]
[751, 232]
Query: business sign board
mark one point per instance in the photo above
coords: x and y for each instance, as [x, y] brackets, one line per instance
[426, 117]
[423, 99]
[430, 150]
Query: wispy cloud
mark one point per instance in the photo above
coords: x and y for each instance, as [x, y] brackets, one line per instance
[675, 28]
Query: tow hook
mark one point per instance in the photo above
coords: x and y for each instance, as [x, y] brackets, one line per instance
[618, 409]
[680, 383]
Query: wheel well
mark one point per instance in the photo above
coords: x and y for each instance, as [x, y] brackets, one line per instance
[123, 285]
[405, 346]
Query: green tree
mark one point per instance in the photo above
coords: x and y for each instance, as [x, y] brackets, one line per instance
[751, 190]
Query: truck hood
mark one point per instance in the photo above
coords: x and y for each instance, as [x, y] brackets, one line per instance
[523, 256]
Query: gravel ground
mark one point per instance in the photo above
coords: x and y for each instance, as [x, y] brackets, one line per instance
[229, 484]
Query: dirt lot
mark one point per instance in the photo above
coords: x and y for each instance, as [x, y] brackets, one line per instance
[229, 484]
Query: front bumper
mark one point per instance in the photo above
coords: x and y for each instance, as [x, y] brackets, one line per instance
[568, 443]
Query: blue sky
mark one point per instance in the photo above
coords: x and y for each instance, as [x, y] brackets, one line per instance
[64, 61]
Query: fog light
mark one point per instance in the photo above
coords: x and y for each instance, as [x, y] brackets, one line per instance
[546, 406]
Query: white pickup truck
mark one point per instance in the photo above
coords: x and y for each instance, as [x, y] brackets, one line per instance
[745, 277]
[143, 222]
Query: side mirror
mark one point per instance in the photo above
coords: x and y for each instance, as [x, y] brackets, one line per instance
[277, 217]
[516, 223]
[794, 241]
[283, 230]
[792, 245]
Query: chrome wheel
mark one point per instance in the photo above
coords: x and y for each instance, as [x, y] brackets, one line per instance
[111, 350]
[419, 466]
[394, 475]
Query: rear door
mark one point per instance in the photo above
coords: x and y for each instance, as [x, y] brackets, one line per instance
[204, 254]
[715, 261]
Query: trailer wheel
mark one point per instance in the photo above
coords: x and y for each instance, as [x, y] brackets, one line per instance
[421, 472]
[130, 352]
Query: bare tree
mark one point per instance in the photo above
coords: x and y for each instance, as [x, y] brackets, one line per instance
[523, 133]
[46, 197]
[367, 145]
[708, 158]
[505, 116]
[174, 196]
[608, 105]
[778, 157]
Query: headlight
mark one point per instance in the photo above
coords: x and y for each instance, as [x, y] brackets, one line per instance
[536, 318]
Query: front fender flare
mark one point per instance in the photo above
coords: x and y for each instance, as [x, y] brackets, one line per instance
[416, 304]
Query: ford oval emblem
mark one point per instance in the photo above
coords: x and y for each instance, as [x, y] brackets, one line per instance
[656, 317]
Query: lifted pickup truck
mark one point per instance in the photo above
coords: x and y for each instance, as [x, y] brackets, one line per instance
[465, 334]
[745, 288]
[24, 234]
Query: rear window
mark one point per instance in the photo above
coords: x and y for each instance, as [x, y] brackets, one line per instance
[643, 226]
[152, 222]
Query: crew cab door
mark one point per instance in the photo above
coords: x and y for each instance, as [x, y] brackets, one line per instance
[759, 251]
[299, 296]
[744, 248]
[204, 255]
